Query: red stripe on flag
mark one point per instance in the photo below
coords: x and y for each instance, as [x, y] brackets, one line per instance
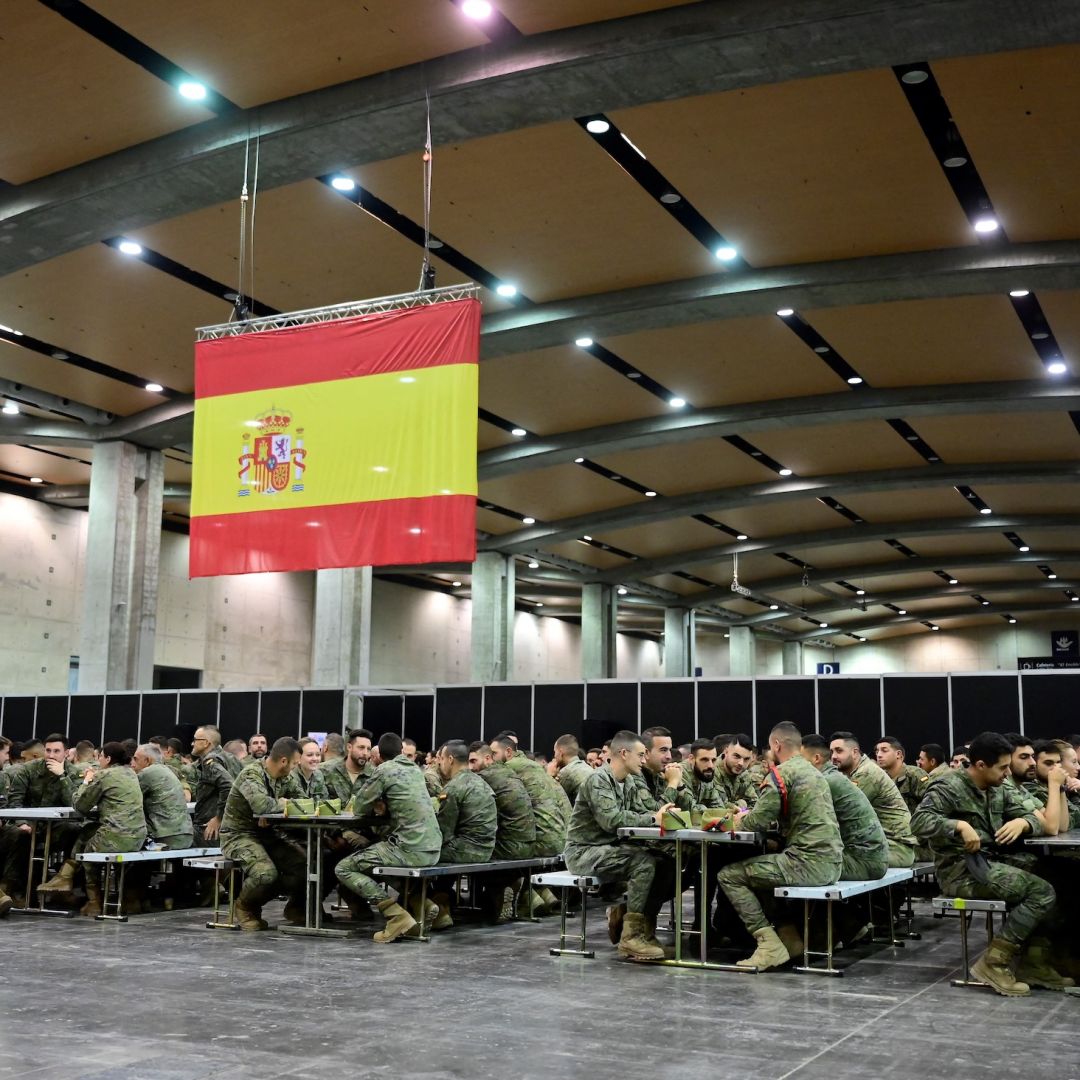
[445, 333]
[439, 528]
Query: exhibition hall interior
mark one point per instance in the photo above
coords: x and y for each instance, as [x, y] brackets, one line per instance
[531, 517]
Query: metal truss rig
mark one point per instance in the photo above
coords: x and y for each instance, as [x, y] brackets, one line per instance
[334, 312]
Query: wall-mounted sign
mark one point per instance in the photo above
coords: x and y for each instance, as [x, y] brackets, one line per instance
[1047, 663]
[829, 669]
[1065, 643]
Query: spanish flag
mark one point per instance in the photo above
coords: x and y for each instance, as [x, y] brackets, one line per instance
[347, 443]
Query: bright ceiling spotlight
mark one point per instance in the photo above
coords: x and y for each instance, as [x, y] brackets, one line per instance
[784, 312]
[860, 592]
[416, 530]
[650, 494]
[774, 607]
[578, 460]
[1052, 577]
[36, 480]
[901, 611]
[343, 183]
[154, 387]
[506, 289]
[539, 603]
[456, 584]
[587, 539]
[10, 408]
[622, 590]
[855, 380]
[1024, 547]
[784, 472]
[985, 510]
[987, 225]
[935, 627]
[823, 625]
[985, 603]
[597, 127]
[1056, 367]
[953, 581]
[519, 432]
[1074, 598]
[913, 78]
[1018, 293]
[670, 198]
[583, 342]
[677, 402]
[476, 9]
[727, 253]
[528, 521]
[192, 90]
[534, 565]
[742, 536]
[1012, 620]
[129, 247]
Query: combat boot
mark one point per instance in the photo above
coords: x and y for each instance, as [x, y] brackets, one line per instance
[551, 901]
[295, 914]
[506, 911]
[615, 918]
[770, 952]
[398, 922]
[92, 908]
[439, 918]
[249, 918]
[1035, 968]
[793, 942]
[63, 881]
[6, 903]
[650, 937]
[993, 969]
[634, 942]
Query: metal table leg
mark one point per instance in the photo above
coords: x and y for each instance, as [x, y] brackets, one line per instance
[29, 908]
[313, 873]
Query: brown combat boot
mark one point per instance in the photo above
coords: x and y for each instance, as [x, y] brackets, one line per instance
[63, 881]
[6, 903]
[398, 922]
[771, 952]
[650, 937]
[993, 969]
[295, 915]
[92, 908]
[1035, 968]
[634, 942]
[249, 918]
[437, 913]
[615, 918]
[792, 940]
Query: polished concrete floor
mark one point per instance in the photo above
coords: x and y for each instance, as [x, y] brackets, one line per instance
[161, 998]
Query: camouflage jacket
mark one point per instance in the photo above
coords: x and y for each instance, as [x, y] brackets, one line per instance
[650, 792]
[188, 775]
[911, 783]
[298, 786]
[704, 794]
[756, 773]
[212, 787]
[734, 790]
[468, 818]
[875, 783]
[860, 830]
[1041, 792]
[116, 796]
[1024, 794]
[433, 780]
[516, 829]
[572, 776]
[255, 793]
[550, 805]
[164, 805]
[604, 805]
[955, 798]
[340, 783]
[804, 809]
[33, 785]
[410, 816]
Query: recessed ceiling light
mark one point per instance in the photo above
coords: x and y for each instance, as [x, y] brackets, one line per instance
[987, 225]
[343, 183]
[192, 90]
[506, 289]
[954, 162]
[583, 342]
[677, 402]
[539, 603]
[519, 432]
[633, 374]
[935, 627]
[742, 536]
[727, 635]
[860, 592]
[1017, 293]
[953, 581]
[622, 590]
[534, 565]
[1024, 547]
[528, 521]
[1052, 577]
[578, 460]
[985, 510]
[784, 472]
[154, 387]
[985, 603]
[669, 198]
[784, 312]
[1056, 367]
[901, 611]
[59, 354]
[597, 127]
[1012, 620]
[129, 247]
[11, 408]
[774, 607]
[456, 584]
[1074, 598]
[476, 9]
[913, 78]
[17, 333]
[433, 244]
[726, 253]
[36, 480]
[1040, 336]
[650, 494]
[855, 380]
[823, 625]
[587, 539]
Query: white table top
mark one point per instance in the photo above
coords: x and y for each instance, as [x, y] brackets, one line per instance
[1070, 839]
[39, 813]
[708, 835]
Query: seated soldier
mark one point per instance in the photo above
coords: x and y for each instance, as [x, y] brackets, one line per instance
[1048, 786]
[271, 862]
[112, 794]
[883, 794]
[661, 780]
[83, 756]
[605, 804]
[308, 780]
[333, 747]
[932, 760]
[413, 835]
[172, 752]
[699, 774]
[910, 780]
[959, 759]
[168, 822]
[734, 782]
[973, 821]
[594, 758]
[797, 796]
[408, 749]
[345, 777]
[1071, 767]
[570, 769]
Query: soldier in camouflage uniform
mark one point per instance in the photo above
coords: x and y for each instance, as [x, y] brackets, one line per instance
[173, 758]
[1022, 770]
[605, 804]
[550, 805]
[883, 794]
[910, 780]
[571, 770]
[1048, 788]
[307, 780]
[973, 822]
[661, 780]
[214, 783]
[414, 836]
[346, 777]
[797, 796]
[467, 812]
[271, 862]
[164, 806]
[7, 832]
[734, 780]
[699, 776]
[759, 769]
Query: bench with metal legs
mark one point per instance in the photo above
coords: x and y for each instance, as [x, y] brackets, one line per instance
[965, 908]
[564, 881]
[220, 865]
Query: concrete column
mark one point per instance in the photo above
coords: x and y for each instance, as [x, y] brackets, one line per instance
[106, 624]
[599, 625]
[341, 641]
[678, 642]
[146, 566]
[741, 658]
[492, 618]
[793, 657]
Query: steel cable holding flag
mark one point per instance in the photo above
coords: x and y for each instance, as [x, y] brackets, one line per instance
[337, 437]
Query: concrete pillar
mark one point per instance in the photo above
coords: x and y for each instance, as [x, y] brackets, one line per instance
[146, 568]
[678, 642]
[793, 657]
[492, 647]
[741, 658]
[103, 635]
[341, 641]
[599, 625]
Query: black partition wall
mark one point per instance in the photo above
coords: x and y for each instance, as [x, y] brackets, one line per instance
[917, 709]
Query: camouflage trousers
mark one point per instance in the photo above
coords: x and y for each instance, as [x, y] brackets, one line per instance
[354, 871]
[459, 850]
[863, 865]
[1031, 899]
[95, 838]
[901, 855]
[646, 871]
[509, 849]
[749, 883]
[271, 865]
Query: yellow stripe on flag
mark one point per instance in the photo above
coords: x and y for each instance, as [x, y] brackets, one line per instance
[395, 436]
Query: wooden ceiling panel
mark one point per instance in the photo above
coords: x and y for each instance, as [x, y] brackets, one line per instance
[649, 541]
[558, 492]
[1033, 498]
[562, 389]
[68, 98]
[931, 342]
[720, 363]
[491, 522]
[674, 584]
[24, 461]
[849, 555]
[761, 522]
[1052, 539]
[1062, 310]
[587, 554]
[829, 168]
[488, 437]
[1018, 117]
[1001, 437]
[838, 448]
[533, 18]
[582, 227]
[278, 51]
[913, 504]
[972, 542]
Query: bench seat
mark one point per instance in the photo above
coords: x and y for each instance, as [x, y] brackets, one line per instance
[843, 890]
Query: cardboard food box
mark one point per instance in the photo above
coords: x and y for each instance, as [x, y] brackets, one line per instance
[300, 808]
[676, 819]
[328, 808]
